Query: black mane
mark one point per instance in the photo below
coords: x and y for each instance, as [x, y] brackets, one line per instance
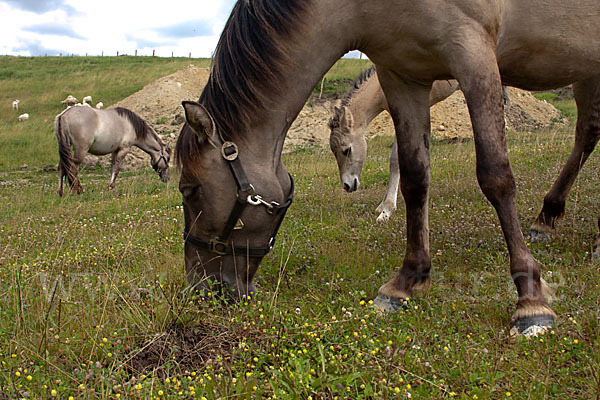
[141, 127]
[364, 76]
[249, 61]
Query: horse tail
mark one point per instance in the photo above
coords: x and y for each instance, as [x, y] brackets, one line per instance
[66, 161]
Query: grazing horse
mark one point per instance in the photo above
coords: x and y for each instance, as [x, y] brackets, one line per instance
[271, 55]
[361, 103]
[101, 132]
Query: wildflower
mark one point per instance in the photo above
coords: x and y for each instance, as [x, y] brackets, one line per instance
[17, 374]
[160, 393]
[29, 377]
[508, 394]
[53, 393]
[397, 389]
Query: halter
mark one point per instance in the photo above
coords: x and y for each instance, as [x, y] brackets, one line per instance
[246, 196]
[161, 157]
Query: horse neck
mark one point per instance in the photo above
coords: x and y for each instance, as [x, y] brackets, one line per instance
[150, 144]
[367, 102]
[311, 54]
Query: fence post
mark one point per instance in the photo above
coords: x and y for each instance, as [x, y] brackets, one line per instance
[190, 55]
[136, 52]
[117, 54]
[153, 52]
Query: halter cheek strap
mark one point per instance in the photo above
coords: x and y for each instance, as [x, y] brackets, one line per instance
[245, 196]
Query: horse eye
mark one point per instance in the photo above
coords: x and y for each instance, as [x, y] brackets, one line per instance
[347, 151]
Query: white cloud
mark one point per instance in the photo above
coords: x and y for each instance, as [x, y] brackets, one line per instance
[37, 27]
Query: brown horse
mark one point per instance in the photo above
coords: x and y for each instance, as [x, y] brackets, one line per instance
[101, 132]
[273, 53]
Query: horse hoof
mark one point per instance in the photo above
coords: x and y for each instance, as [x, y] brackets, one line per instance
[536, 236]
[385, 304]
[383, 217]
[532, 326]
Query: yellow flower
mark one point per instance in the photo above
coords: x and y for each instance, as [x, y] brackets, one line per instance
[397, 389]
[29, 377]
[17, 374]
[104, 340]
[53, 393]
[160, 393]
[508, 394]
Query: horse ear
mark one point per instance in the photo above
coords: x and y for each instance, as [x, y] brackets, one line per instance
[200, 121]
[347, 120]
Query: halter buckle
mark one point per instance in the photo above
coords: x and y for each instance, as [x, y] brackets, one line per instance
[229, 151]
[218, 246]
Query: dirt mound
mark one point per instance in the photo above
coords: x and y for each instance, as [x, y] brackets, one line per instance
[450, 118]
[159, 103]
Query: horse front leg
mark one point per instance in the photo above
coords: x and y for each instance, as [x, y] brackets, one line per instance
[409, 108]
[117, 158]
[388, 204]
[480, 81]
[587, 133]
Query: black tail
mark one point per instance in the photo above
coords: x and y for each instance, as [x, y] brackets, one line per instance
[64, 152]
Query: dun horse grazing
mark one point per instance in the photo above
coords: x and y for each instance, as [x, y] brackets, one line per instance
[271, 55]
[101, 132]
[363, 102]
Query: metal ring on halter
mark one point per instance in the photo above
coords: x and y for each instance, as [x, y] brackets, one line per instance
[229, 151]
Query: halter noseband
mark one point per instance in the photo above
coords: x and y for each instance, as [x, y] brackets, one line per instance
[245, 196]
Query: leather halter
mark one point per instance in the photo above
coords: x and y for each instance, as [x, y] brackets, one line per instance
[245, 196]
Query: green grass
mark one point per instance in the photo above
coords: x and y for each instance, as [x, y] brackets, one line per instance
[90, 282]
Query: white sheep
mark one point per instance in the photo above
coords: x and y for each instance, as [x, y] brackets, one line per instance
[87, 100]
[100, 105]
[15, 104]
[69, 101]
[23, 117]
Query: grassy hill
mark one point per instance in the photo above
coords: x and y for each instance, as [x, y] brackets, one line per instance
[95, 304]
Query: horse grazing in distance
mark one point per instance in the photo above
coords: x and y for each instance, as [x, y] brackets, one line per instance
[360, 105]
[101, 132]
[272, 54]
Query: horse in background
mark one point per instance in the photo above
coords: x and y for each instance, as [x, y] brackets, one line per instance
[360, 105]
[101, 132]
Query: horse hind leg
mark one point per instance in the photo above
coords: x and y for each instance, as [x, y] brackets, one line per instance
[388, 204]
[587, 133]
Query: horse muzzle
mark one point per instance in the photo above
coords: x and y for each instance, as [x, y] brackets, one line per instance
[351, 184]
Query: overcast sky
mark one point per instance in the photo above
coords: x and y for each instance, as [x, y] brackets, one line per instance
[40, 27]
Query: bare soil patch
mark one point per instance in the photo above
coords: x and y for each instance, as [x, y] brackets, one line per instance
[159, 103]
[185, 348]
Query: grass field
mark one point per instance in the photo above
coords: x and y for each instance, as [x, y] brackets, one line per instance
[94, 294]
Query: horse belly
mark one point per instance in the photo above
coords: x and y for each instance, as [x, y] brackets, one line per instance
[549, 44]
[102, 147]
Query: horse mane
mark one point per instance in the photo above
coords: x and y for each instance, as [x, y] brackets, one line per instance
[360, 80]
[248, 63]
[141, 127]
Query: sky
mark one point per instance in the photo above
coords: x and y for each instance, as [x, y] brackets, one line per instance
[96, 27]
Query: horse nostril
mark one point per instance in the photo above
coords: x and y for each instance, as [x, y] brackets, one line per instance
[355, 185]
[347, 187]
